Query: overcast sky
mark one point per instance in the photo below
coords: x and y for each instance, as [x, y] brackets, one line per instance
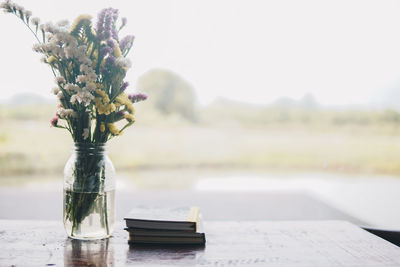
[343, 52]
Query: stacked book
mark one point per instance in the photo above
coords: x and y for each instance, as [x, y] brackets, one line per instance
[160, 226]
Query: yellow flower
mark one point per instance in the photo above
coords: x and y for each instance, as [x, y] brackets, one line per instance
[110, 108]
[97, 101]
[102, 103]
[102, 127]
[129, 117]
[51, 59]
[123, 99]
[117, 50]
[113, 129]
[103, 94]
[130, 108]
[79, 21]
[70, 67]
[90, 49]
[105, 109]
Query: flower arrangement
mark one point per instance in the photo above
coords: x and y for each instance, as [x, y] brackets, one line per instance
[89, 65]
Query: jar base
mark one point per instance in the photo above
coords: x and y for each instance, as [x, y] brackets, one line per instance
[89, 238]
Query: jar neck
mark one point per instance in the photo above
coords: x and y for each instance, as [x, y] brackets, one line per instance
[90, 148]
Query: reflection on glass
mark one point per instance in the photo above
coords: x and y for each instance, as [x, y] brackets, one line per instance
[88, 253]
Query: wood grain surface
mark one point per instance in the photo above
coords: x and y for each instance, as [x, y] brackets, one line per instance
[258, 243]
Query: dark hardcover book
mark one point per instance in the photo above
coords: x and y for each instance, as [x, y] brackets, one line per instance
[167, 239]
[161, 233]
[175, 219]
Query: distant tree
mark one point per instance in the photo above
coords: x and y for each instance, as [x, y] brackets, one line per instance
[308, 101]
[169, 93]
[284, 103]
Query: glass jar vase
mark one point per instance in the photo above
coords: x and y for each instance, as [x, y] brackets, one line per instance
[89, 193]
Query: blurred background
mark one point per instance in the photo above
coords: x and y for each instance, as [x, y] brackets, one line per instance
[244, 96]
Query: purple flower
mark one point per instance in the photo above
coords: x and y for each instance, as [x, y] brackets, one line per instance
[124, 21]
[126, 42]
[114, 32]
[107, 26]
[119, 115]
[100, 24]
[124, 86]
[110, 43]
[137, 97]
[110, 61]
[114, 13]
[106, 50]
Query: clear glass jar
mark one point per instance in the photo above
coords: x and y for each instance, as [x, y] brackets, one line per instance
[89, 193]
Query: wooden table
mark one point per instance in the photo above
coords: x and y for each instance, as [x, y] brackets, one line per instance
[258, 243]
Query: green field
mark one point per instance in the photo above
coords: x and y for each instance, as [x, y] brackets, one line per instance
[222, 138]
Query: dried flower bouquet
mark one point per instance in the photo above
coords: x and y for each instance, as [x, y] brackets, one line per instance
[89, 65]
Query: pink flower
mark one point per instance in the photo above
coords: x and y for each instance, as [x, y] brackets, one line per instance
[54, 121]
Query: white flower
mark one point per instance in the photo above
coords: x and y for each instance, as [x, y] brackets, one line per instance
[70, 51]
[66, 113]
[60, 95]
[84, 97]
[19, 8]
[56, 90]
[81, 78]
[86, 78]
[35, 21]
[5, 5]
[8, 6]
[37, 48]
[63, 23]
[123, 62]
[85, 68]
[61, 53]
[91, 87]
[60, 80]
[71, 87]
[90, 74]
[50, 47]
[73, 99]
[85, 133]
[79, 53]
[28, 13]
[82, 49]
[50, 27]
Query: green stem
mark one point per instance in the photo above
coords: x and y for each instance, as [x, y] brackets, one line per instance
[105, 213]
[73, 227]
